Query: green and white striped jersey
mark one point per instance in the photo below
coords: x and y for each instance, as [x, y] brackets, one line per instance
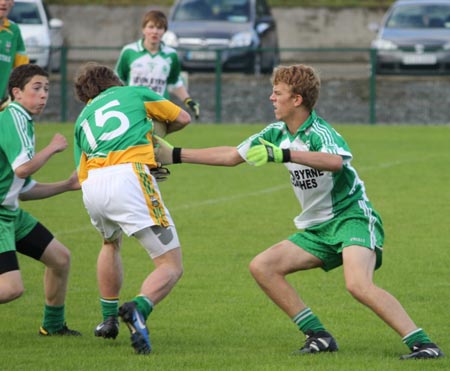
[138, 67]
[322, 194]
[16, 148]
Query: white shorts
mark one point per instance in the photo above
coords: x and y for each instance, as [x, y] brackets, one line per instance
[124, 198]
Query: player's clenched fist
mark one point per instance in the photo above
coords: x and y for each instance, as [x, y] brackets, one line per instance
[58, 143]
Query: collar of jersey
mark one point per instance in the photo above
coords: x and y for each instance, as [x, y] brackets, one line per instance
[20, 108]
[312, 117]
[6, 23]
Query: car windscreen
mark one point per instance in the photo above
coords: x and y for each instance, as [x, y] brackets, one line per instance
[419, 16]
[25, 13]
[213, 10]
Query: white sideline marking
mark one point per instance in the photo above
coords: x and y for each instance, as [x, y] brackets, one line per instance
[215, 201]
[219, 200]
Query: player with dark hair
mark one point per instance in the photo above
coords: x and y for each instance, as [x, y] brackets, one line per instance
[149, 62]
[19, 231]
[115, 157]
[12, 48]
[337, 226]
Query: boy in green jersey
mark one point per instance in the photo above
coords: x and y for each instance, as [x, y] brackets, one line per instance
[115, 160]
[149, 62]
[337, 226]
[12, 47]
[19, 231]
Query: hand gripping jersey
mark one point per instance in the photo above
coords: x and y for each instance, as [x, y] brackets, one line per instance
[116, 128]
[322, 194]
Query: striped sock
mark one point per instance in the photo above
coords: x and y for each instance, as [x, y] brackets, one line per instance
[144, 305]
[306, 320]
[416, 336]
[110, 307]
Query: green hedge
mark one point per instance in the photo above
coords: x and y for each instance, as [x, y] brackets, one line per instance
[274, 3]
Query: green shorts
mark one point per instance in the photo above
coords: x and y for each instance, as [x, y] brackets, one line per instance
[14, 229]
[358, 225]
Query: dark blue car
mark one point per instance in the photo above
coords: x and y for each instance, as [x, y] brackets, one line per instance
[244, 31]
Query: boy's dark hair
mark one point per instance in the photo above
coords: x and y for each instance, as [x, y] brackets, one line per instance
[21, 75]
[92, 79]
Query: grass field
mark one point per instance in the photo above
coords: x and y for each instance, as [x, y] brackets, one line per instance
[216, 318]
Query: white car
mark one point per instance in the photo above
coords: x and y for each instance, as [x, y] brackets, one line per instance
[41, 33]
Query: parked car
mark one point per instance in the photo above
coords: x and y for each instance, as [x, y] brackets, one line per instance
[414, 38]
[41, 33]
[244, 30]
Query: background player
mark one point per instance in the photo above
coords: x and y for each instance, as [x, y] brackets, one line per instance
[12, 48]
[149, 62]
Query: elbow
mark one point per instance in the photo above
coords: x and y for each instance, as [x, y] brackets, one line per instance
[184, 118]
[21, 172]
[337, 164]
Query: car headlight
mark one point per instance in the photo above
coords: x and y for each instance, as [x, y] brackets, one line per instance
[170, 39]
[32, 41]
[241, 39]
[382, 44]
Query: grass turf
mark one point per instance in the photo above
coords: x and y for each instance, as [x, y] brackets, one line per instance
[217, 318]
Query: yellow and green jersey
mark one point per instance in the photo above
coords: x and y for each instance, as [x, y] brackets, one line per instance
[322, 194]
[138, 67]
[116, 127]
[12, 52]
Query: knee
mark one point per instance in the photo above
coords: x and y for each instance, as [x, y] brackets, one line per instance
[179, 273]
[58, 257]
[64, 259]
[11, 291]
[258, 267]
[359, 291]
[175, 273]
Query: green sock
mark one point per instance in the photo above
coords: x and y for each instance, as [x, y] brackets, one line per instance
[53, 318]
[306, 320]
[144, 305]
[416, 336]
[110, 307]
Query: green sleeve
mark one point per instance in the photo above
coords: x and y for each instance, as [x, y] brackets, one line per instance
[122, 68]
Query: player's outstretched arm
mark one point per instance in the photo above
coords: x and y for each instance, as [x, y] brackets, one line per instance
[217, 156]
[266, 152]
[45, 190]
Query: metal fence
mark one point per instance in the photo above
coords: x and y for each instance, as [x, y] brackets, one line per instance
[351, 91]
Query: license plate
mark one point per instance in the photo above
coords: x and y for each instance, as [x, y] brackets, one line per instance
[419, 59]
[201, 55]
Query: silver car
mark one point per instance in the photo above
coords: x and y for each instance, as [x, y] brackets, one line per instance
[243, 30]
[414, 38]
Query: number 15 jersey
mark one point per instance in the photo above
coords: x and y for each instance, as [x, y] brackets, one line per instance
[116, 128]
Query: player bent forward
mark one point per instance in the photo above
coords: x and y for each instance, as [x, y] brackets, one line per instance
[114, 156]
[19, 231]
[337, 226]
